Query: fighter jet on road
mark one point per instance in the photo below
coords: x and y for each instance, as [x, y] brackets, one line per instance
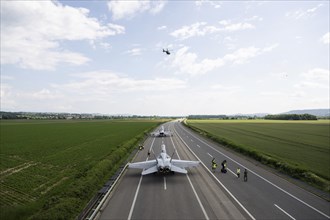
[163, 164]
[161, 133]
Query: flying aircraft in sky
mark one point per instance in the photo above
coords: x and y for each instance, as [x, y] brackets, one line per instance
[166, 51]
[163, 164]
[161, 133]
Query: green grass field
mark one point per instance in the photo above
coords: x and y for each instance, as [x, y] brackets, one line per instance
[300, 144]
[49, 166]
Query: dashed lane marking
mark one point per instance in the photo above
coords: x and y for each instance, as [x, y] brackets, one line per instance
[284, 212]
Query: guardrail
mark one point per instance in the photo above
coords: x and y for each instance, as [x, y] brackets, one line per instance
[93, 207]
[96, 203]
[107, 194]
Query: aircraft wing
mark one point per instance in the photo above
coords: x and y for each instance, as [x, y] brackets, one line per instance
[155, 133]
[184, 163]
[168, 133]
[143, 165]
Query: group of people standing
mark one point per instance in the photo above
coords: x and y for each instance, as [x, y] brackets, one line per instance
[224, 169]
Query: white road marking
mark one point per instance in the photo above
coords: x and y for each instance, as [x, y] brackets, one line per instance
[199, 201]
[262, 177]
[223, 186]
[232, 172]
[192, 186]
[210, 155]
[284, 212]
[134, 200]
[192, 140]
[138, 189]
[198, 146]
[164, 183]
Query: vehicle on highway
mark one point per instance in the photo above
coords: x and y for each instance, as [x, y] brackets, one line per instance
[164, 164]
[161, 133]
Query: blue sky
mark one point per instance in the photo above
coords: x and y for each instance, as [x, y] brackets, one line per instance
[106, 56]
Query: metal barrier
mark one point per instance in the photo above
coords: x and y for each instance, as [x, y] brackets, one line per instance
[96, 203]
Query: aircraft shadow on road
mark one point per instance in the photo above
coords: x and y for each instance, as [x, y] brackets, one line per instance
[159, 175]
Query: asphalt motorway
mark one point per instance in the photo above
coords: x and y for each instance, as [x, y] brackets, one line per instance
[202, 194]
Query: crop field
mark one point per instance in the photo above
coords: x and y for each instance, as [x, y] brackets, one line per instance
[300, 144]
[50, 169]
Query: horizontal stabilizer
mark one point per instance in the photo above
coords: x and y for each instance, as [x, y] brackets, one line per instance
[143, 165]
[178, 169]
[150, 170]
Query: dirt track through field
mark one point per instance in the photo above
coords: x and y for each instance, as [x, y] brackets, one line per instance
[16, 169]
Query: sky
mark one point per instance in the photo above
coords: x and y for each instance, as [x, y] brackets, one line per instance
[227, 57]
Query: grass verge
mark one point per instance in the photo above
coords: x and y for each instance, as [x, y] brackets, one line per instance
[305, 175]
[51, 170]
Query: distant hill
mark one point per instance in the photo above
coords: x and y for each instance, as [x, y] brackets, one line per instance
[316, 112]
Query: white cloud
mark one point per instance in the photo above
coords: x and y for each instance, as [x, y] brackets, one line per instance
[300, 13]
[202, 29]
[254, 18]
[279, 75]
[87, 91]
[105, 45]
[164, 27]
[134, 52]
[318, 74]
[312, 85]
[6, 77]
[44, 94]
[128, 9]
[32, 33]
[105, 82]
[4, 90]
[225, 89]
[270, 48]
[316, 78]
[229, 26]
[7, 99]
[156, 6]
[196, 29]
[326, 38]
[214, 4]
[187, 62]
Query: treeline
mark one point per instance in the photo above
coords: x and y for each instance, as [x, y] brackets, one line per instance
[249, 117]
[291, 117]
[207, 117]
[83, 116]
[223, 117]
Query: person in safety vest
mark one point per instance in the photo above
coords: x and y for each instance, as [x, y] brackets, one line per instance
[238, 172]
[214, 165]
